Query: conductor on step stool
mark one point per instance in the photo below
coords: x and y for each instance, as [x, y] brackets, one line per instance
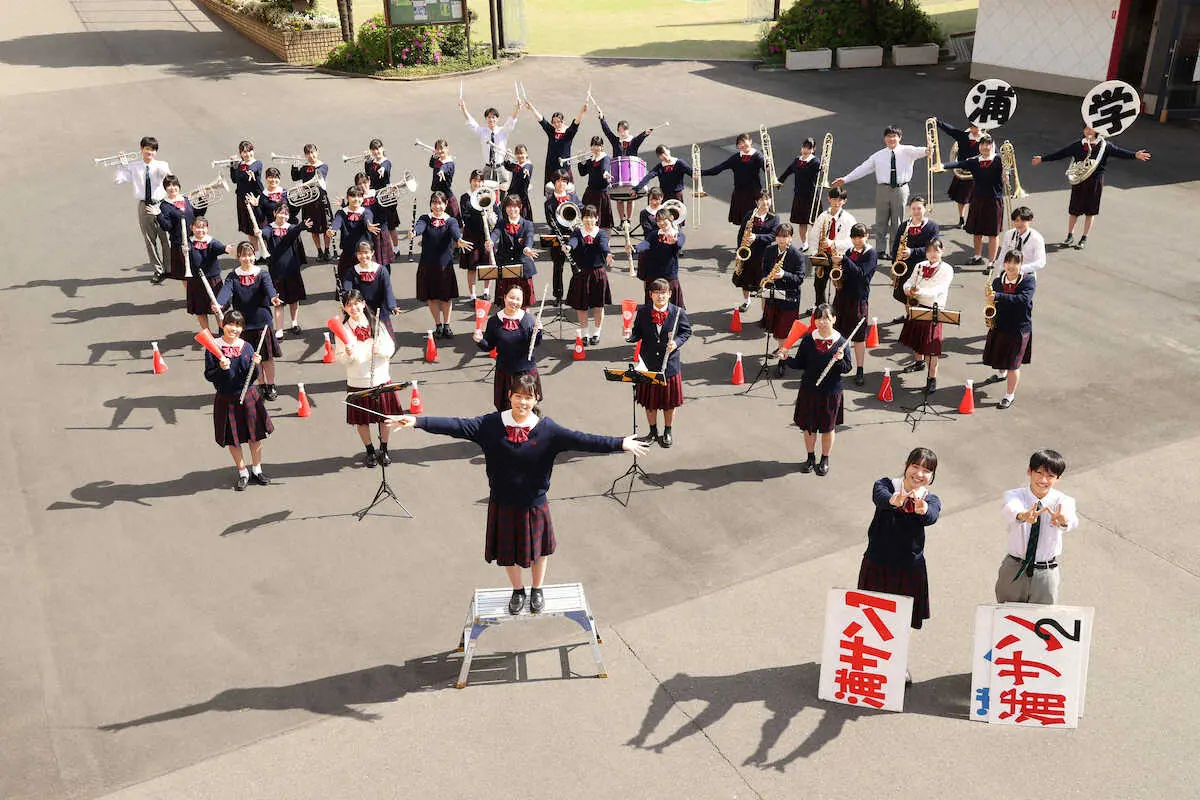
[519, 448]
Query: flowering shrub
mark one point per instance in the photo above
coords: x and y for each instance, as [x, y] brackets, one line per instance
[812, 24]
[411, 45]
[279, 14]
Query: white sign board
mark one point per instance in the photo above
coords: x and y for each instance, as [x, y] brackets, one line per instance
[1110, 107]
[990, 104]
[865, 652]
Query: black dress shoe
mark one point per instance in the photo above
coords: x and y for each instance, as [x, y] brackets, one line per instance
[369, 458]
[808, 466]
[931, 385]
[446, 332]
[744, 307]
[822, 468]
[916, 366]
[260, 478]
[647, 439]
[516, 603]
[666, 440]
[296, 328]
[383, 458]
[860, 380]
[1082, 242]
[537, 601]
[272, 393]
[593, 341]
[158, 278]
[1006, 402]
[242, 481]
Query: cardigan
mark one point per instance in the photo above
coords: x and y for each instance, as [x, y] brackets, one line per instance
[519, 474]
[654, 340]
[896, 538]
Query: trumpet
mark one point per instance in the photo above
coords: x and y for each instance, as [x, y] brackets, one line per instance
[822, 178]
[360, 159]
[935, 157]
[305, 193]
[743, 253]
[769, 157]
[989, 310]
[569, 215]
[204, 196]
[390, 195]
[225, 162]
[775, 272]
[677, 210]
[119, 160]
[430, 148]
[575, 159]
[288, 159]
[697, 185]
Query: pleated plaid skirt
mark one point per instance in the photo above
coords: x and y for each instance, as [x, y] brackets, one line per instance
[235, 424]
[1004, 350]
[198, 301]
[960, 190]
[1085, 197]
[436, 283]
[922, 336]
[818, 412]
[518, 536]
[985, 217]
[384, 403]
[909, 581]
[778, 320]
[741, 203]
[659, 398]
[270, 349]
[849, 310]
[589, 289]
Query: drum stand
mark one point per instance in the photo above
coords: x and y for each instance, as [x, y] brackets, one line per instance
[384, 492]
[635, 470]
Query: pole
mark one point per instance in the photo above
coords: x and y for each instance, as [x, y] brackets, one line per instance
[467, 32]
[500, 22]
[492, 25]
[776, 14]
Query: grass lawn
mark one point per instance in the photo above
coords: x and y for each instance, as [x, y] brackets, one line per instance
[700, 29]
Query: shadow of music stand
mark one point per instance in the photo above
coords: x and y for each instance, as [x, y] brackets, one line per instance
[765, 368]
[497, 274]
[935, 315]
[636, 377]
[385, 491]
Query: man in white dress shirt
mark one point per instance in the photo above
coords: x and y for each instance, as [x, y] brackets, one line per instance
[1037, 518]
[146, 175]
[1025, 240]
[893, 168]
[493, 139]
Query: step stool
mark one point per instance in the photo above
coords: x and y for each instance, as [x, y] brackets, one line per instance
[490, 607]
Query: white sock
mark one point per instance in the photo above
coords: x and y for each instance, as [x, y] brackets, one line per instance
[1010, 397]
[243, 473]
[256, 469]
[588, 332]
[1003, 373]
[599, 328]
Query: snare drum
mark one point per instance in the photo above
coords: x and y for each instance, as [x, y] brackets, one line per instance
[627, 172]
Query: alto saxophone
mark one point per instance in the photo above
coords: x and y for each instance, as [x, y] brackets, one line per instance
[775, 272]
[743, 252]
[821, 259]
[900, 268]
[989, 310]
[835, 272]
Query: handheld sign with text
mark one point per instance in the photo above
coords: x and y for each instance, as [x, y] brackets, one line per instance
[865, 653]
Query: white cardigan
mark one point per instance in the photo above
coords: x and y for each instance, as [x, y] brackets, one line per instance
[358, 362]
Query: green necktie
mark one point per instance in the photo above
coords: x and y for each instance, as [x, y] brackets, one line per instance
[1031, 548]
[892, 181]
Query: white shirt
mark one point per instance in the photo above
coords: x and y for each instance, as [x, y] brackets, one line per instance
[841, 236]
[485, 139]
[1031, 245]
[881, 163]
[931, 290]
[135, 173]
[1049, 546]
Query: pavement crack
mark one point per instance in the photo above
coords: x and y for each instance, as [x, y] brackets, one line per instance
[691, 720]
[1144, 548]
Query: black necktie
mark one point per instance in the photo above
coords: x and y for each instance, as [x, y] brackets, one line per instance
[492, 150]
[1031, 548]
[148, 193]
[892, 180]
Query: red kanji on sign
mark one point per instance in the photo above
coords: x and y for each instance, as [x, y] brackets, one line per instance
[1022, 669]
[1048, 709]
[859, 655]
[858, 600]
[865, 686]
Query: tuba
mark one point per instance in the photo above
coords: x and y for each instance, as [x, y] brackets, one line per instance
[305, 193]
[822, 178]
[677, 210]
[209, 193]
[935, 157]
[1080, 171]
[568, 215]
[390, 195]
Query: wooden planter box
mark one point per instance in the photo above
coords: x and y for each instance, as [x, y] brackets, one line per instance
[868, 55]
[821, 58]
[911, 55]
[294, 47]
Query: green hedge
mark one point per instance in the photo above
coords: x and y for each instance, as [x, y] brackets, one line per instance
[413, 45]
[813, 24]
[280, 14]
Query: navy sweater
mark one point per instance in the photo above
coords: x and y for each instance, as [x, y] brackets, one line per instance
[620, 148]
[246, 181]
[253, 300]
[747, 174]
[380, 175]
[806, 176]
[510, 247]
[662, 259]
[558, 145]
[204, 258]
[443, 177]
[512, 347]
[519, 474]
[654, 342]
[169, 216]
[670, 176]
[789, 282]
[857, 269]
[437, 241]
[764, 234]
[376, 293]
[230, 381]
[813, 362]
[1077, 152]
[1014, 312]
[915, 242]
[286, 253]
[353, 226]
[989, 180]
[896, 538]
[522, 177]
[595, 171]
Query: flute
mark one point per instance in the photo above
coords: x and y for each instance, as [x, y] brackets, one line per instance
[671, 338]
[829, 366]
[250, 373]
[533, 339]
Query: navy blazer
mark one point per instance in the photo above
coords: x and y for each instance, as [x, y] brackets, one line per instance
[662, 259]
[169, 217]
[512, 347]
[813, 362]
[654, 341]
[230, 381]
[790, 281]
[896, 537]
[510, 247]
[377, 293]
[1014, 312]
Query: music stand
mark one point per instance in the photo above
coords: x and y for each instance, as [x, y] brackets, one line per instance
[558, 312]
[490, 273]
[385, 490]
[935, 315]
[764, 368]
[636, 377]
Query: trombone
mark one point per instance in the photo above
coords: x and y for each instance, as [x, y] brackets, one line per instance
[430, 148]
[578, 158]
[288, 159]
[822, 184]
[934, 157]
[119, 160]
[360, 160]
[697, 185]
[764, 137]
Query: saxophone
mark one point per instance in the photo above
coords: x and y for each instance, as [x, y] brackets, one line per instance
[900, 268]
[743, 252]
[775, 272]
[835, 272]
[989, 310]
[820, 261]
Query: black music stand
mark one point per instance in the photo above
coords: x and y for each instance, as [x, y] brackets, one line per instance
[558, 311]
[636, 377]
[916, 414]
[764, 368]
[385, 490]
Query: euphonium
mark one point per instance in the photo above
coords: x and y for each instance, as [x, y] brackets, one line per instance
[390, 195]
[676, 209]
[209, 193]
[742, 255]
[305, 193]
[1080, 171]
[568, 214]
[822, 178]
[775, 272]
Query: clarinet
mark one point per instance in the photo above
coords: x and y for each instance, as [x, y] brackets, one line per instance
[412, 227]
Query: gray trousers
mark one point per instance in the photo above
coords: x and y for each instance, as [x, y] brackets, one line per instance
[890, 204]
[1041, 587]
[154, 237]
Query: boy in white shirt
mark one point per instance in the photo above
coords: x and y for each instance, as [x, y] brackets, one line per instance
[1037, 518]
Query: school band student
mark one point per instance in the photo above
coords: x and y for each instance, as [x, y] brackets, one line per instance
[379, 173]
[851, 303]
[512, 242]
[1038, 516]
[367, 358]
[1023, 239]
[671, 173]
[658, 257]
[1009, 343]
[442, 180]
[514, 333]
[597, 170]
[474, 230]
[759, 225]
[493, 139]
[356, 224]
[1085, 196]
[830, 232]
[252, 293]
[781, 297]
[916, 233]
[894, 562]
[892, 167]
[146, 175]
[319, 211]
[175, 215]
[968, 147]
[560, 194]
[559, 137]
[519, 449]
[236, 421]
[819, 406]
[382, 239]
[203, 253]
[986, 215]
[589, 291]
[285, 262]
[437, 285]
[521, 170]
[624, 145]
[803, 170]
[374, 282]
[662, 327]
[928, 286]
[747, 166]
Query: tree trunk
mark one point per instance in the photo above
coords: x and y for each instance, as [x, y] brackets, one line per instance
[346, 17]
